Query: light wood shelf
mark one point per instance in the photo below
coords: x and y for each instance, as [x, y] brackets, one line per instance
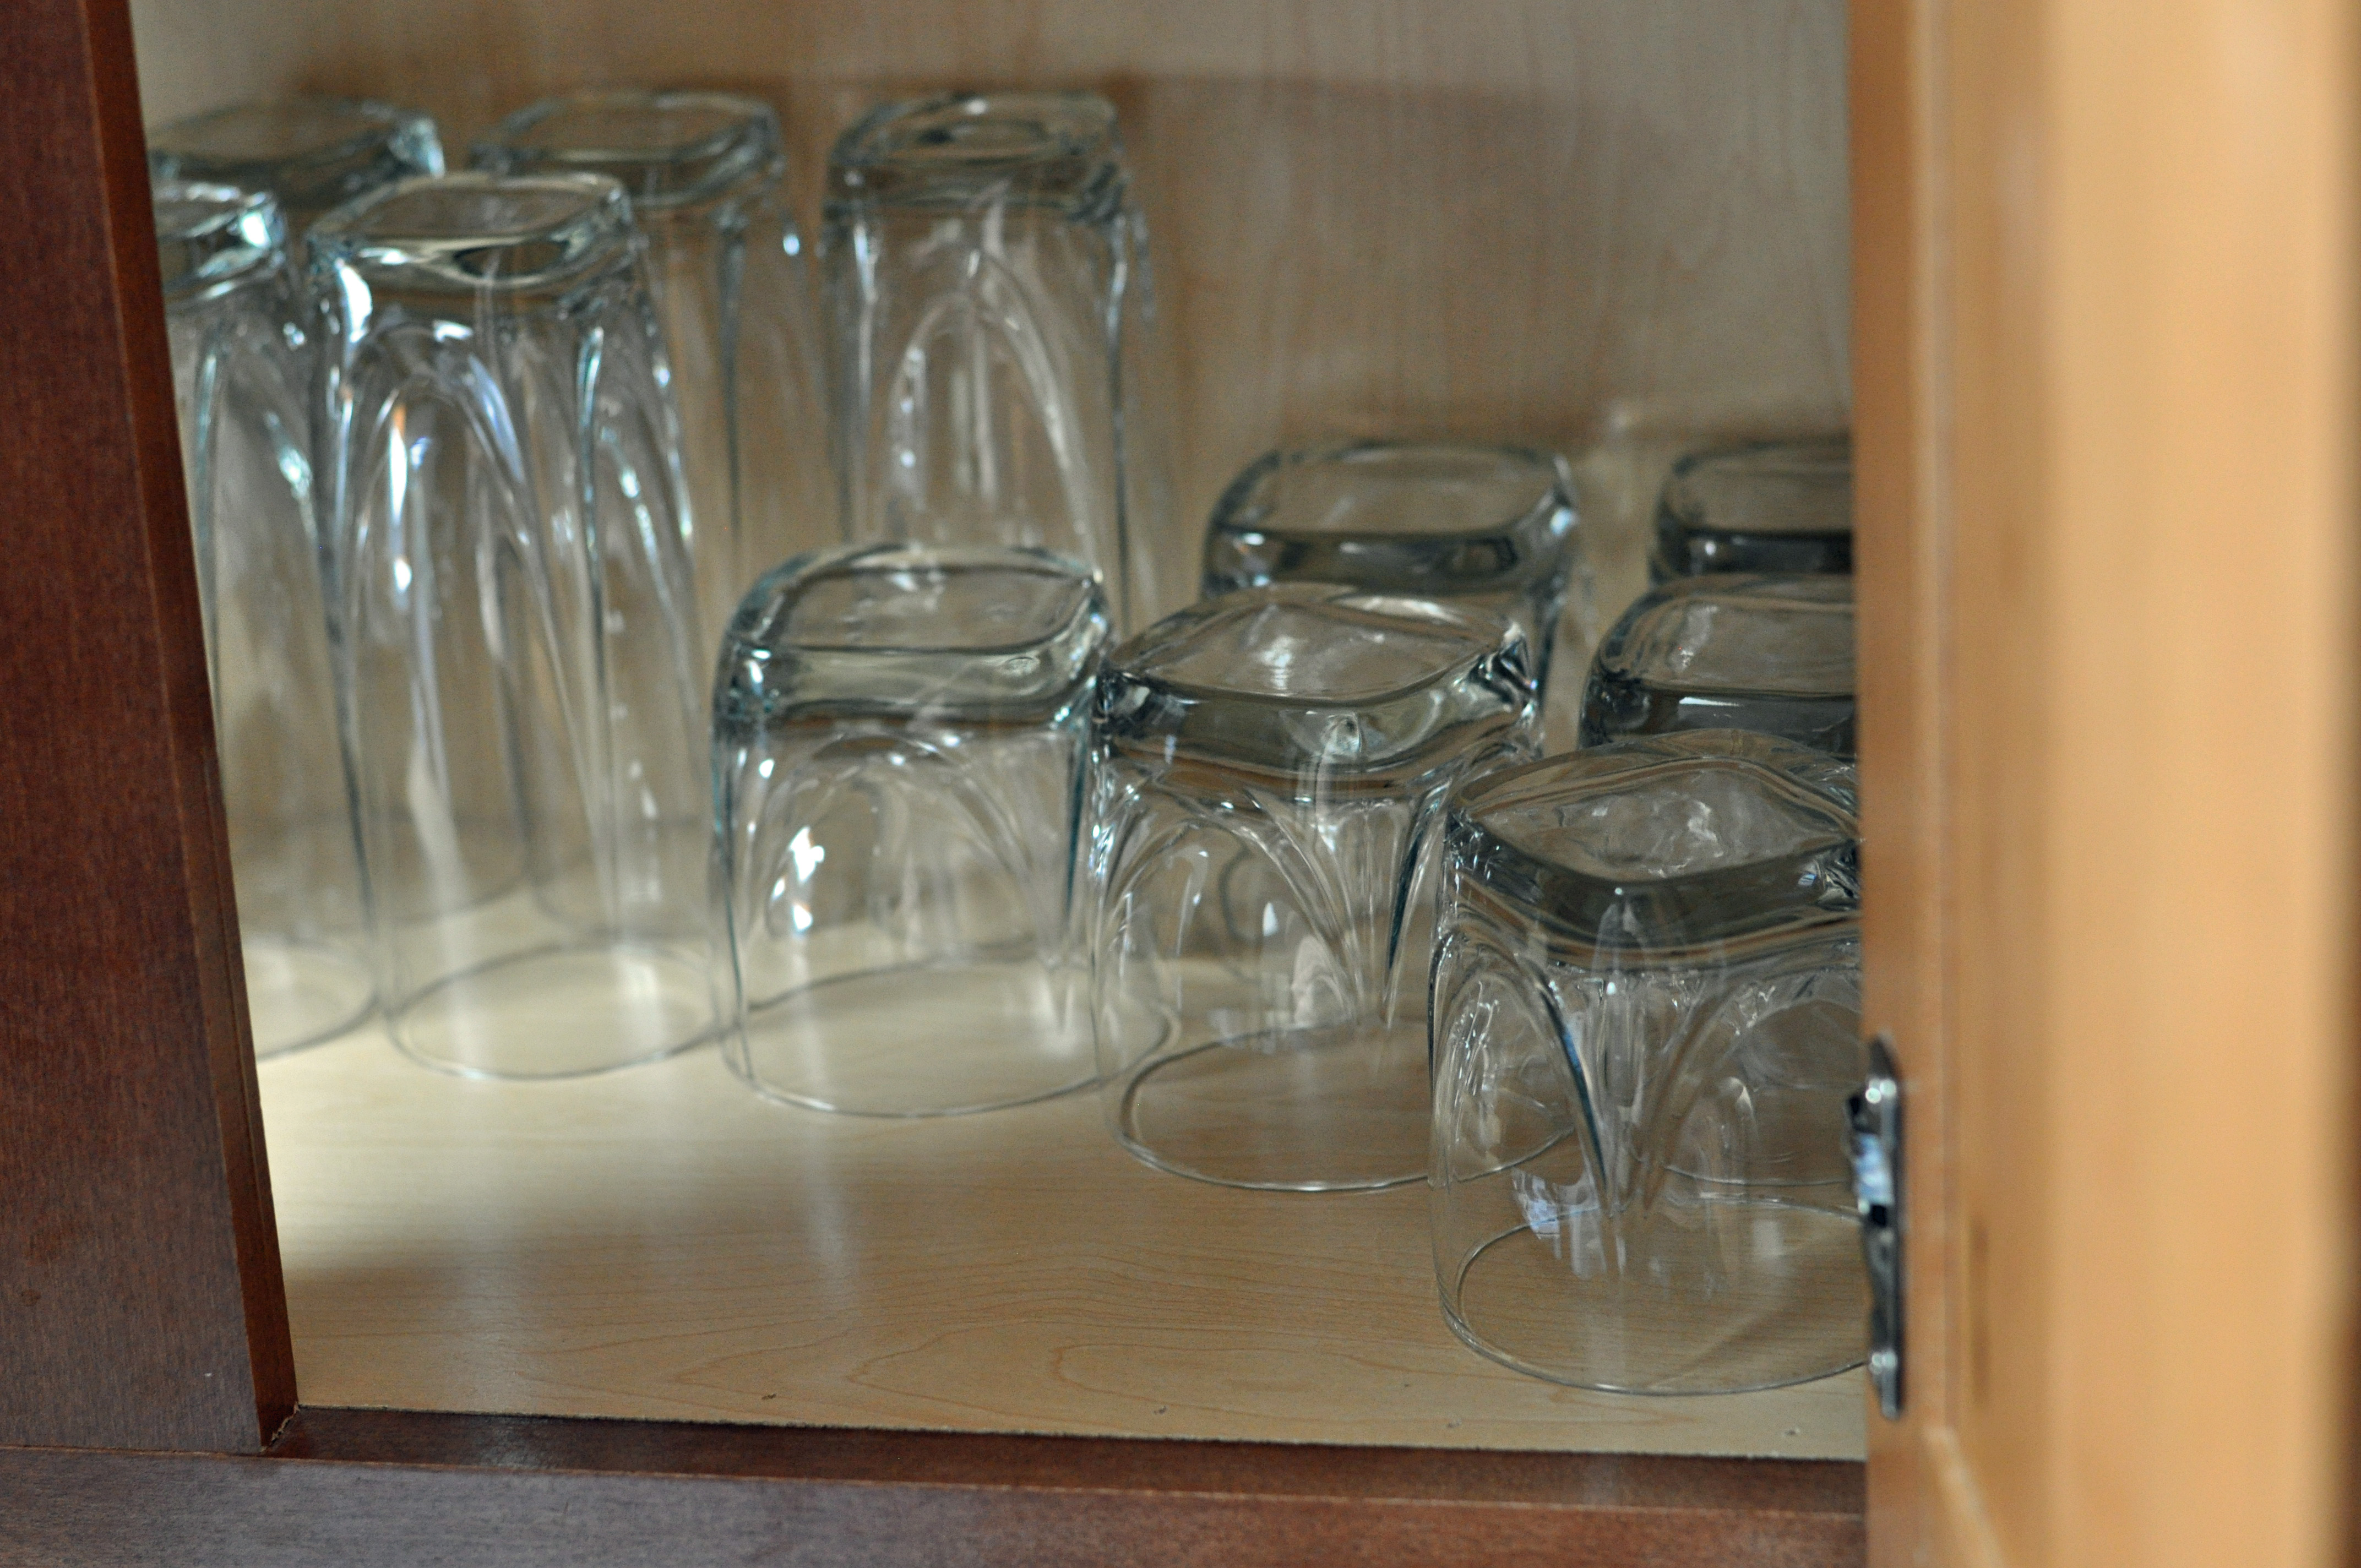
[661, 1244]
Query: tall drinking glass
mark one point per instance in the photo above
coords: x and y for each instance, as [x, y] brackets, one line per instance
[242, 370]
[733, 290]
[521, 663]
[987, 269]
[311, 154]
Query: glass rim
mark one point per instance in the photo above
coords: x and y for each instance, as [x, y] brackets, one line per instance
[1058, 149]
[847, 560]
[211, 238]
[585, 229]
[1548, 468]
[737, 154]
[1828, 593]
[315, 176]
[1820, 456]
[1813, 780]
[1120, 665]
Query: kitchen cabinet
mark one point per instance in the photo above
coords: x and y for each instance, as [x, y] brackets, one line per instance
[2084, 297]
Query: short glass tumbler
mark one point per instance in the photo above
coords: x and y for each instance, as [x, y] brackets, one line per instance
[1779, 505]
[733, 291]
[521, 668]
[899, 738]
[1490, 526]
[311, 154]
[1766, 653]
[242, 367]
[1647, 1007]
[987, 280]
[1269, 770]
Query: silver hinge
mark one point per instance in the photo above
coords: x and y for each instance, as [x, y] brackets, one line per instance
[1876, 1114]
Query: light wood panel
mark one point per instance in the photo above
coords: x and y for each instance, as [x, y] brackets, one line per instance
[2116, 283]
[1561, 222]
[660, 1242]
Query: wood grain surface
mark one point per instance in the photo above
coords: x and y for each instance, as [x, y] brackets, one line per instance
[620, 1494]
[661, 1243]
[140, 1300]
[2107, 502]
[1565, 223]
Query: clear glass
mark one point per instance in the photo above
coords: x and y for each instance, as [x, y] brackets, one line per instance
[311, 154]
[899, 736]
[1767, 652]
[733, 290]
[522, 672]
[1647, 1010]
[1268, 775]
[1778, 506]
[1488, 526]
[242, 372]
[987, 278]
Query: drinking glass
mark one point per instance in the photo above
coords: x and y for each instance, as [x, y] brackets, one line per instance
[1770, 652]
[1776, 506]
[987, 279]
[311, 154]
[520, 667]
[899, 735]
[242, 374]
[1488, 526]
[732, 288]
[1268, 775]
[1647, 1007]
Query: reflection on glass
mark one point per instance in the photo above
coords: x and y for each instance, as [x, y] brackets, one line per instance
[987, 279]
[242, 370]
[1647, 1008]
[732, 288]
[1269, 770]
[521, 663]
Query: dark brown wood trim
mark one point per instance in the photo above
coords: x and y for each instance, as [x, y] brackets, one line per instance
[367, 1489]
[140, 1300]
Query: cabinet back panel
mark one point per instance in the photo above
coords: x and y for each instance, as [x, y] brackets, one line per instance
[1574, 224]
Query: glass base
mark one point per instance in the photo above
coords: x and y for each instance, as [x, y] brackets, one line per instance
[1333, 1110]
[558, 1012]
[301, 994]
[922, 1040]
[1766, 1294]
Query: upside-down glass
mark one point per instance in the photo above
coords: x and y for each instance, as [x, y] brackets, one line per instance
[899, 735]
[1647, 1006]
[522, 671]
[1267, 775]
[311, 154]
[1776, 506]
[242, 372]
[987, 282]
[1490, 526]
[733, 291]
[1728, 651]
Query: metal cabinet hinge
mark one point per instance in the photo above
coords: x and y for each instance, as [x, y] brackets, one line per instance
[1876, 1115]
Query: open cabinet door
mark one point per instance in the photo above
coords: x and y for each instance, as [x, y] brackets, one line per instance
[2105, 283]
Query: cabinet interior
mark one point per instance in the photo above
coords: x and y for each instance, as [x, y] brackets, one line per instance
[1615, 230]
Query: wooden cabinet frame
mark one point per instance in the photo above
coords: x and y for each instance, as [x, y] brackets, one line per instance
[148, 1408]
[149, 1400]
